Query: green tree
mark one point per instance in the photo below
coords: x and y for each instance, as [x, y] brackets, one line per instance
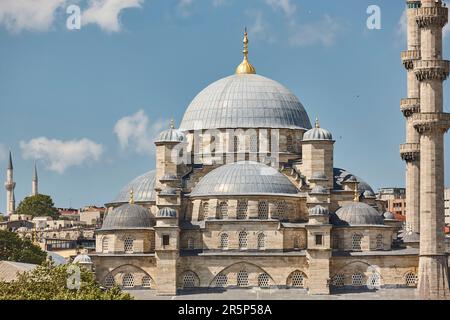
[38, 206]
[13, 248]
[49, 282]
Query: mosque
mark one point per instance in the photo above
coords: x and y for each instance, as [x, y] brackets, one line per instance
[245, 194]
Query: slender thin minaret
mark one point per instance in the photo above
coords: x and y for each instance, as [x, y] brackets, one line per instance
[35, 182]
[410, 151]
[10, 185]
[432, 123]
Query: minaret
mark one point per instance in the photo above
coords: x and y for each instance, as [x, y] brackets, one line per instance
[432, 123]
[35, 182]
[410, 151]
[10, 185]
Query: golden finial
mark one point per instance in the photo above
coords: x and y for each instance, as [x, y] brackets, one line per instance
[356, 199]
[317, 123]
[245, 67]
[172, 124]
[131, 196]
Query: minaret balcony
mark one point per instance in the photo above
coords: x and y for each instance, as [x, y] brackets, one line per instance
[432, 70]
[408, 106]
[408, 58]
[428, 17]
[431, 121]
[410, 151]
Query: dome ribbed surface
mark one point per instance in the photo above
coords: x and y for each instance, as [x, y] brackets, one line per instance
[357, 213]
[127, 216]
[143, 188]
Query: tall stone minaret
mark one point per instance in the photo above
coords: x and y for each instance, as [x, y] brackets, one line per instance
[10, 185]
[35, 182]
[410, 151]
[432, 123]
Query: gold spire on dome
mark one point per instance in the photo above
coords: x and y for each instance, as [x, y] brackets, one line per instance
[245, 67]
[131, 196]
[356, 199]
[317, 123]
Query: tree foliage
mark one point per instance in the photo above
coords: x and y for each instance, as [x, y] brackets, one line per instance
[13, 248]
[38, 206]
[50, 282]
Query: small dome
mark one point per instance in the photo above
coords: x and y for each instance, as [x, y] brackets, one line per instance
[318, 176]
[127, 216]
[82, 258]
[369, 194]
[389, 215]
[341, 175]
[244, 178]
[167, 213]
[319, 190]
[357, 213]
[143, 188]
[317, 133]
[318, 211]
[171, 135]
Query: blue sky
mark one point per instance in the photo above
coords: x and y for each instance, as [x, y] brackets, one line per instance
[67, 97]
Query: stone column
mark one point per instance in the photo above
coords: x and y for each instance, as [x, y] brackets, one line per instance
[432, 123]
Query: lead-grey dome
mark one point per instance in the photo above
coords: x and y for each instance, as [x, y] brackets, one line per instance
[244, 178]
[388, 215]
[318, 211]
[127, 216]
[171, 135]
[357, 213]
[317, 134]
[167, 213]
[82, 258]
[245, 101]
[143, 188]
[341, 175]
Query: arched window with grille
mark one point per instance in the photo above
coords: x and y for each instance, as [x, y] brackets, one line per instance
[128, 244]
[190, 280]
[338, 280]
[296, 243]
[204, 210]
[224, 241]
[109, 281]
[374, 279]
[242, 278]
[263, 280]
[128, 281]
[223, 210]
[379, 242]
[221, 281]
[297, 279]
[261, 241]
[263, 210]
[411, 279]
[243, 242]
[236, 144]
[254, 142]
[356, 242]
[280, 210]
[105, 245]
[290, 144]
[241, 209]
[357, 279]
[147, 282]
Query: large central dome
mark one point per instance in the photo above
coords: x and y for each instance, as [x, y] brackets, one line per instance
[245, 101]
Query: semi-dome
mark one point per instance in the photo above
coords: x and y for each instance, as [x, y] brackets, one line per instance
[317, 133]
[143, 188]
[171, 135]
[341, 175]
[167, 213]
[357, 213]
[245, 101]
[82, 258]
[318, 211]
[244, 178]
[127, 216]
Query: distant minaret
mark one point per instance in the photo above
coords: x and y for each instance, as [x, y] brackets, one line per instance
[10, 185]
[35, 183]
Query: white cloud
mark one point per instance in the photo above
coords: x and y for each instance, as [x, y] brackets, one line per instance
[259, 28]
[58, 155]
[106, 13]
[286, 6]
[135, 132]
[31, 15]
[323, 32]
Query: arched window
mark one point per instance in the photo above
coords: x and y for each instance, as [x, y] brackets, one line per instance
[296, 243]
[109, 281]
[242, 278]
[263, 280]
[261, 241]
[241, 209]
[224, 241]
[204, 211]
[379, 243]
[374, 279]
[243, 240]
[128, 244]
[357, 279]
[221, 281]
[223, 210]
[338, 280]
[263, 210]
[236, 143]
[190, 243]
[128, 281]
[280, 209]
[105, 245]
[290, 144]
[356, 241]
[297, 279]
[254, 142]
[146, 281]
[190, 280]
[411, 279]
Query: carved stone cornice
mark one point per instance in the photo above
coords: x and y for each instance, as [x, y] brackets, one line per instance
[429, 122]
[410, 151]
[409, 106]
[431, 70]
[429, 17]
[408, 58]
